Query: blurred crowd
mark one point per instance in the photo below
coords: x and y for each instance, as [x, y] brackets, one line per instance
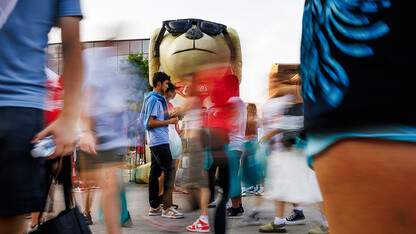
[348, 117]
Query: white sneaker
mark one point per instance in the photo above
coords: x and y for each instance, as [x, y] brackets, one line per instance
[198, 226]
[172, 213]
[228, 205]
[155, 211]
[212, 204]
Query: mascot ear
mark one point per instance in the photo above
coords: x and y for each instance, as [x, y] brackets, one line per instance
[237, 64]
[154, 63]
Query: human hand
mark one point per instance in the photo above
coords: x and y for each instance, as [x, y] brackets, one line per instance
[177, 111]
[174, 120]
[88, 143]
[264, 139]
[63, 132]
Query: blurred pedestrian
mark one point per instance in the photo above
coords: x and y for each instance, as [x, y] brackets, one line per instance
[237, 123]
[217, 141]
[102, 124]
[288, 179]
[252, 178]
[197, 177]
[169, 95]
[23, 38]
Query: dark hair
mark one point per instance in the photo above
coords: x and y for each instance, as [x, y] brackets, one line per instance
[160, 77]
[171, 87]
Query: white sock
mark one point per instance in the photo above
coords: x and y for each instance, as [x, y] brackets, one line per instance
[298, 208]
[261, 189]
[204, 218]
[278, 220]
[243, 189]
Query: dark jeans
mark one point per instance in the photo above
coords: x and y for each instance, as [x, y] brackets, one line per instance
[23, 181]
[161, 161]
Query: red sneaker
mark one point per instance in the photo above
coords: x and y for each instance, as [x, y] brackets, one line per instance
[198, 226]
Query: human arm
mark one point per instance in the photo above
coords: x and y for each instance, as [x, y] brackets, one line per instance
[63, 129]
[269, 135]
[154, 123]
[88, 139]
[191, 102]
[177, 111]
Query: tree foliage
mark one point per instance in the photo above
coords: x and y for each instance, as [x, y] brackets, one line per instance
[137, 68]
[141, 62]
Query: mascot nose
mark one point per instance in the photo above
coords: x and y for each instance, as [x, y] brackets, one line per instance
[194, 34]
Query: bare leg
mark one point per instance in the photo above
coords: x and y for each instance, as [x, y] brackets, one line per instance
[236, 201]
[279, 209]
[12, 225]
[204, 200]
[108, 181]
[35, 218]
[371, 175]
[88, 200]
[88, 177]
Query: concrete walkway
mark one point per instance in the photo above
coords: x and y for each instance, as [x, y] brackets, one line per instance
[137, 202]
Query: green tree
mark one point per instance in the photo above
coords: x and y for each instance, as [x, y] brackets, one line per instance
[138, 70]
[141, 62]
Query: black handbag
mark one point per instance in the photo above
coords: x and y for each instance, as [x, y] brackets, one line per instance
[71, 220]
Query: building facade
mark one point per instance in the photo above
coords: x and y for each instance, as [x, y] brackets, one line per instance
[124, 48]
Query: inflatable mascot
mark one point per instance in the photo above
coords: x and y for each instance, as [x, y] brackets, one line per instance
[185, 46]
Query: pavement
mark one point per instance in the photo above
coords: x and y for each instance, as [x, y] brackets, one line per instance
[137, 202]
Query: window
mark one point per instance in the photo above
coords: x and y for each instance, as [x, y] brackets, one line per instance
[136, 46]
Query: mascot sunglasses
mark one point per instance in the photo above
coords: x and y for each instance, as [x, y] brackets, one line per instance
[183, 25]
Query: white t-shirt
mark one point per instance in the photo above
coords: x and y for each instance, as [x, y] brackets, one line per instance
[238, 124]
[271, 118]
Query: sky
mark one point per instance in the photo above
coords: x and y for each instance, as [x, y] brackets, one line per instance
[269, 30]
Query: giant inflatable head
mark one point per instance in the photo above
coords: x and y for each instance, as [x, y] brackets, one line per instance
[185, 46]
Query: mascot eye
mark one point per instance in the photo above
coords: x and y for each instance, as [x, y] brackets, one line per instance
[178, 26]
[210, 28]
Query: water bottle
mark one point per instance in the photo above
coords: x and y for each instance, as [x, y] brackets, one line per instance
[43, 148]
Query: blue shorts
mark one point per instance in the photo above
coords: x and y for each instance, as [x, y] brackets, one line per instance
[23, 182]
[316, 143]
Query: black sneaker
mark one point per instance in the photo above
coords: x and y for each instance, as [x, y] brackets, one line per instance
[295, 218]
[241, 209]
[235, 214]
[253, 189]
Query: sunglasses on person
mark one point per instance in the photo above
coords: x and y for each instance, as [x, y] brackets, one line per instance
[183, 25]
